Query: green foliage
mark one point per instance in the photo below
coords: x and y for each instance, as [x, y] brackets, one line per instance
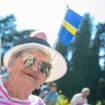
[62, 100]
[99, 44]
[83, 68]
[9, 34]
[61, 47]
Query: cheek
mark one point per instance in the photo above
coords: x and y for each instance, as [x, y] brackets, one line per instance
[18, 67]
[40, 80]
[41, 77]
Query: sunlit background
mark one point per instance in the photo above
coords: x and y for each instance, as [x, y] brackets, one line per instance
[85, 57]
[47, 15]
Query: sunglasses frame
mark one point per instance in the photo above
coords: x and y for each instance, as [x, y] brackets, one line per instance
[29, 60]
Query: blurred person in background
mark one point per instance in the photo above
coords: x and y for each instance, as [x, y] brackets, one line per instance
[52, 94]
[3, 73]
[80, 98]
[44, 92]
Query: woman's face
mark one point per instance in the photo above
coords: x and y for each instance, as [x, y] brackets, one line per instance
[31, 77]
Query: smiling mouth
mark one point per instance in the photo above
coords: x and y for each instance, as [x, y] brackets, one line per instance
[32, 76]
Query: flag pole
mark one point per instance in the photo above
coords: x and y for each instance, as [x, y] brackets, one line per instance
[55, 44]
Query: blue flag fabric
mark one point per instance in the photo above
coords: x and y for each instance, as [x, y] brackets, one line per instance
[69, 27]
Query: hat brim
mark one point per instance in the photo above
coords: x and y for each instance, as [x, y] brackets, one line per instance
[59, 66]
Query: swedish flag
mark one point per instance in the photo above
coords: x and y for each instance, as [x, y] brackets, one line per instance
[69, 27]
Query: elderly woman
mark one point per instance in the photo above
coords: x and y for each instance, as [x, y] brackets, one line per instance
[30, 63]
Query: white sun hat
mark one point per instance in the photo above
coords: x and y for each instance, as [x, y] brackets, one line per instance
[59, 65]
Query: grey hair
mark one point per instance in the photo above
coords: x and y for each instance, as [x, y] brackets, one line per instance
[86, 90]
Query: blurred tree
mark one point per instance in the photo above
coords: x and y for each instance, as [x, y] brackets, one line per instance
[9, 34]
[61, 47]
[98, 53]
[78, 67]
[62, 100]
[83, 56]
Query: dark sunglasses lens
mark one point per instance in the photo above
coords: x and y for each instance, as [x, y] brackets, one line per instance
[45, 67]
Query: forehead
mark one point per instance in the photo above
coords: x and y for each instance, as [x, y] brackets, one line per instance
[86, 92]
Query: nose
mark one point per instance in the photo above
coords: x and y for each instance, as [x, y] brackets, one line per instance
[41, 76]
[35, 67]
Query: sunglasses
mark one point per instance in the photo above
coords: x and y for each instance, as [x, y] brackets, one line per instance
[29, 60]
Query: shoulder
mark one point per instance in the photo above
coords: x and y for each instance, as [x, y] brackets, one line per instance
[36, 100]
[56, 94]
[52, 95]
[77, 95]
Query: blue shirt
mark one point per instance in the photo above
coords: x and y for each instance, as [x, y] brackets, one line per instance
[52, 97]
